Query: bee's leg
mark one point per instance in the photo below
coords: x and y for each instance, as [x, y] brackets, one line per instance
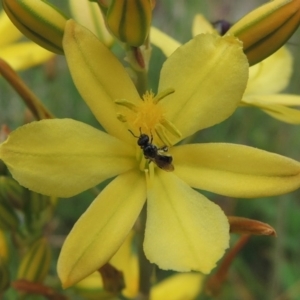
[164, 149]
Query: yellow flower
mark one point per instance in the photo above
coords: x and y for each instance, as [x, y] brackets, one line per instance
[266, 79]
[19, 55]
[65, 157]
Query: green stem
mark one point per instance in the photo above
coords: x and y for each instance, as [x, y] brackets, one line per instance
[136, 59]
[32, 102]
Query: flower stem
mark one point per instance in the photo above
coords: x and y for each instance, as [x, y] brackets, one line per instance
[31, 101]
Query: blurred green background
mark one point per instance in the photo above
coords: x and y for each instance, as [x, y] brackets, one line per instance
[267, 267]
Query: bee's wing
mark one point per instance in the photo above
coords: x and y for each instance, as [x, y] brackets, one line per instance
[164, 162]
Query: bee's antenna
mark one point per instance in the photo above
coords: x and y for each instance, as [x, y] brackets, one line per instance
[151, 137]
[133, 133]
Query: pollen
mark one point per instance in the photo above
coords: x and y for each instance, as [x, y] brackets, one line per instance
[149, 117]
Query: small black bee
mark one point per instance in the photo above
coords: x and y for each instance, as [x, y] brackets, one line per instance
[153, 153]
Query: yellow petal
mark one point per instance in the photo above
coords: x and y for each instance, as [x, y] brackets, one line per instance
[89, 15]
[102, 229]
[178, 287]
[209, 75]
[183, 227]
[236, 170]
[64, 157]
[99, 77]
[201, 25]
[24, 55]
[268, 104]
[270, 75]
[281, 99]
[92, 282]
[163, 41]
[8, 31]
[127, 262]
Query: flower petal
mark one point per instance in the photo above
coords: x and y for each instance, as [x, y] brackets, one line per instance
[99, 77]
[282, 99]
[102, 229]
[163, 41]
[179, 286]
[8, 31]
[271, 75]
[183, 226]
[236, 170]
[64, 157]
[24, 55]
[268, 104]
[209, 75]
[201, 25]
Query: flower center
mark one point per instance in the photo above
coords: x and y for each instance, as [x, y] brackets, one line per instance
[148, 117]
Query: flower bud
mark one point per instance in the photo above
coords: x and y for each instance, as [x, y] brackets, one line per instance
[264, 30]
[39, 21]
[8, 217]
[129, 20]
[38, 210]
[11, 192]
[36, 262]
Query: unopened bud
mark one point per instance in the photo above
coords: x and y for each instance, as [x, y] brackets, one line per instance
[129, 20]
[8, 217]
[36, 262]
[39, 21]
[11, 192]
[38, 210]
[248, 226]
[264, 30]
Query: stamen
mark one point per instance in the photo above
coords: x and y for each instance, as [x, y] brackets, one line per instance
[170, 127]
[162, 95]
[160, 132]
[126, 103]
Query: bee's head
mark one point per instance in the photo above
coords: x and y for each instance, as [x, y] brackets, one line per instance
[143, 140]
